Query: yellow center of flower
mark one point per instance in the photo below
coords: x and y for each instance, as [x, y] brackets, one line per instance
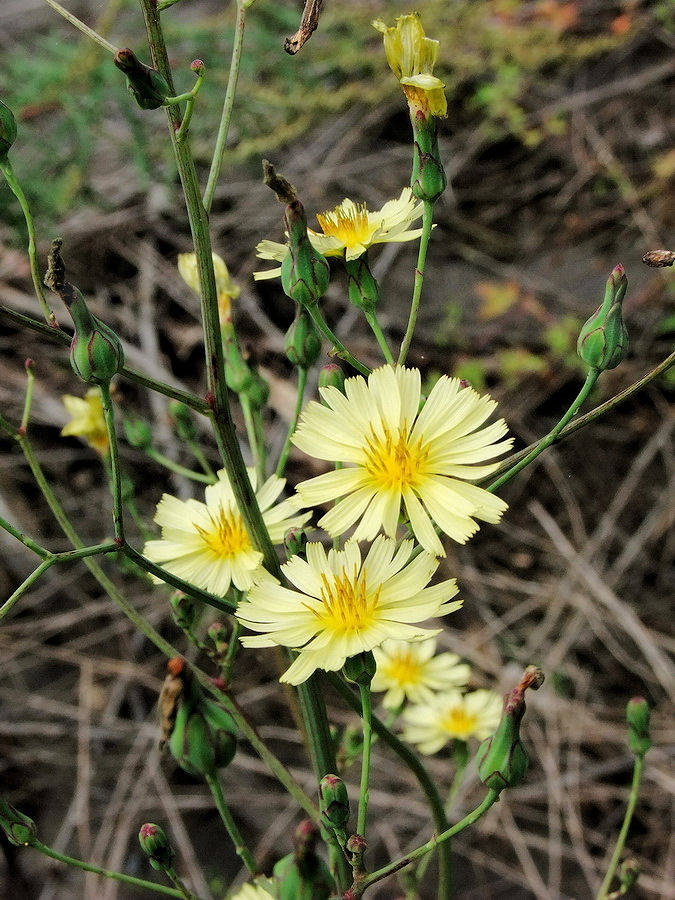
[347, 606]
[392, 462]
[351, 226]
[458, 723]
[227, 535]
[404, 670]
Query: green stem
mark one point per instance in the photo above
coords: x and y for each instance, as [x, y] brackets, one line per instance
[85, 29]
[339, 348]
[552, 436]
[427, 221]
[15, 187]
[28, 399]
[226, 116]
[202, 460]
[115, 474]
[597, 413]
[23, 587]
[300, 396]
[232, 649]
[23, 538]
[165, 4]
[367, 724]
[178, 884]
[312, 702]
[371, 319]
[426, 783]
[257, 449]
[430, 845]
[638, 769]
[173, 466]
[57, 335]
[107, 873]
[235, 835]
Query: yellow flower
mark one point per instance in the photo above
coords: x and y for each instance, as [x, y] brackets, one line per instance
[251, 892]
[227, 288]
[451, 715]
[345, 605]
[411, 57]
[395, 454]
[410, 671]
[87, 420]
[350, 228]
[207, 543]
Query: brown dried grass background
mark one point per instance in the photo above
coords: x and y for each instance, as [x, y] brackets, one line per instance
[578, 579]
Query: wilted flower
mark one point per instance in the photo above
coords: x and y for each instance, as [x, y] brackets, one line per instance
[227, 288]
[87, 419]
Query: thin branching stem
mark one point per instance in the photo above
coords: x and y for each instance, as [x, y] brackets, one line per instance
[427, 223]
[367, 726]
[638, 769]
[79, 24]
[231, 826]
[299, 399]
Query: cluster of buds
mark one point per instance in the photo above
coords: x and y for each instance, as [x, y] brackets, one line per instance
[202, 736]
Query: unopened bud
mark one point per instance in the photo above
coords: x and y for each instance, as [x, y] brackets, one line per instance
[303, 341]
[295, 542]
[332, 376]
[637, 716]
[182, 419]
[139, 433]
[362, 287]
[155, 844]
[258, 390]
[148, 88]
[219, 634]
[356, 846]
[360, 668]
[184, 610]
[428, 179]
[303, 875]
[7, 129]
[502, 759]
[603, 340]
[305, 273]
[203, 738]
[334, 802]
[19, 829]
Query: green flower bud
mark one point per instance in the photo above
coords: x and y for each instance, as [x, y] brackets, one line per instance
[305, 273]
[356, 846]
[363, 289]
[502, 760]
[637, 716]
[148, 88]
[303, 341]
[184, 610]
[603, 340]
[295, 542]
[155, 844]
[95, 352]
[238, 374]
[223, 732]
[139, 433]
[182, 419]
[360, 668]
[7, 129]
[332, 375]
[302, 875]
[19, 829]
[258, 390]
[203, 738]
[334, 802]
[219, 634]
[428, 179]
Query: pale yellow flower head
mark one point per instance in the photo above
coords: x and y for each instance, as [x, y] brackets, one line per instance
[251, 892]
[345, 605]
[410, 671]
[207, 543]
[87, 420]
[227, 288]
[350, 229]
[411, 57]
[449, 716]
[397, 457]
